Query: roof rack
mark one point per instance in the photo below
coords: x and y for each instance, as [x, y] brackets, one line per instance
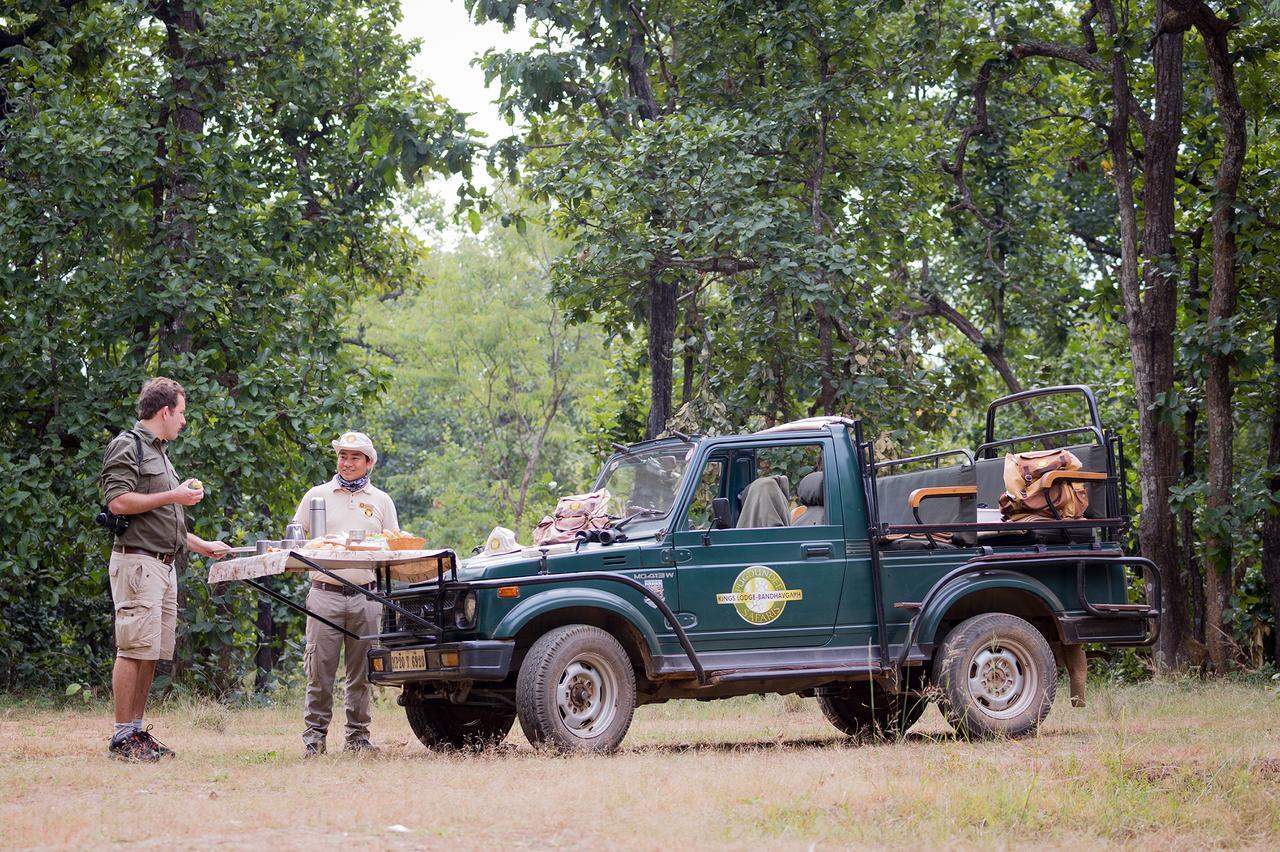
[808, 424]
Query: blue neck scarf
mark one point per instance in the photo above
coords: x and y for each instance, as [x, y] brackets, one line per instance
[353, 484]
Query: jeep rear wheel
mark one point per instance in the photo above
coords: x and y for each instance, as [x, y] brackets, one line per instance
[576, 690]
[865, 711]
[440, 724]
[996, 676]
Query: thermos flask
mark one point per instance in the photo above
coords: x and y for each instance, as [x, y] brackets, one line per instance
[317, 517]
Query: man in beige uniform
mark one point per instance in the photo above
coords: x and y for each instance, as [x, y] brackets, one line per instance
[350, 503]
[139, 482]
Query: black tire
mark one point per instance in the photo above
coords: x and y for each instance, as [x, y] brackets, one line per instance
[995, 677]
[865, 711]
[576, 691]
[439, 724]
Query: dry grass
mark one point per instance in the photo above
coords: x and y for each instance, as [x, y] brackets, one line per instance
[1162, 766]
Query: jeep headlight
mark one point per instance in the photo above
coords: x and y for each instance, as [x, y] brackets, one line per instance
[464, 612]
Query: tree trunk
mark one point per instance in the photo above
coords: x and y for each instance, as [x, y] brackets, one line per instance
[1150, 303]
[187, 123]
[662, 333]
[1149, 291]
[826, 363]
[1271, 523]
[826, 359]
[662, 296]
[1223, 296]
[1191, 564]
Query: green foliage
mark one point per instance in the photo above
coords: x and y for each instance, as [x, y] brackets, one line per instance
[796, 175]
[205, 201]
[481, 420]
[789, 168]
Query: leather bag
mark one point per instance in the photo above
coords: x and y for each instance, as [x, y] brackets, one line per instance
[1027, 499]
[573, 514]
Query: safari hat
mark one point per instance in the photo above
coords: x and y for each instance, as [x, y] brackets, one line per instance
[357, 441]
[501, 540]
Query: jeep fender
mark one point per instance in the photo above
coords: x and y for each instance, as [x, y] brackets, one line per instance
[968, 584]
[549, 601]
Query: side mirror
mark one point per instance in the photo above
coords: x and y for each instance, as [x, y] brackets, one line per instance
[720, 513]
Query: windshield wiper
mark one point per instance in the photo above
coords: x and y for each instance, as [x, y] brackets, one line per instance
[642, 513]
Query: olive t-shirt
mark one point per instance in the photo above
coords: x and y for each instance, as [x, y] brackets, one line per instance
[369, 509]
[164, 528]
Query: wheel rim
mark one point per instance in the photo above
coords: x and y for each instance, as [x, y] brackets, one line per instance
[586, 696]
[1003, 678]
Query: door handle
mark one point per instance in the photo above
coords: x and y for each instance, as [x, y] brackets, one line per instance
[808, 551]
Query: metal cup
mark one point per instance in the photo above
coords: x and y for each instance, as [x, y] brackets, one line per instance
[293, 534]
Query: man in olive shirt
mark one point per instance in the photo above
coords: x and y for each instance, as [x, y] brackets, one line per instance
[139, 482]
[351, 503]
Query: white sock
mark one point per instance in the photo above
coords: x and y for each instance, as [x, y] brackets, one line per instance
[122, 728]
[137, 726]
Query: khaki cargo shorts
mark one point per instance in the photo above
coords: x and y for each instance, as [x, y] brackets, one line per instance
[145, 593]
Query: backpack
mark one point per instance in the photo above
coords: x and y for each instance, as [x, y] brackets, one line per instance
[1028, 500]
[573, 514]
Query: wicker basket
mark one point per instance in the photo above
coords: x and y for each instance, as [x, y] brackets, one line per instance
[411, 542]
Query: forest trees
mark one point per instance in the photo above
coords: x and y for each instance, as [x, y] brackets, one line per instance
[754, 214]
[1137, 77]
[200, 189]
[758, 210]
[487, 413]
[818, 180]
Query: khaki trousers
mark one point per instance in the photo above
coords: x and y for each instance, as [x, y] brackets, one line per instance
[320, 661]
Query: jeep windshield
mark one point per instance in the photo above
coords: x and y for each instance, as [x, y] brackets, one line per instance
[644, 482]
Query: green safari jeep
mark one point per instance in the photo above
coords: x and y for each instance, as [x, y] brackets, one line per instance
[786, 561]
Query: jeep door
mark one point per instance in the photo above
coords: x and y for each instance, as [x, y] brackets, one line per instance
[764, 582]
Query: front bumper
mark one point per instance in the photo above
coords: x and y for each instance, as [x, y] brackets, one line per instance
[475, 660]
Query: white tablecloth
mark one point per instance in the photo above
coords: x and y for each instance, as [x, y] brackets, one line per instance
[406, 565]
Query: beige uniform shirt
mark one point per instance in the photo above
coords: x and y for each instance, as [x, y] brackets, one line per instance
[368, 509]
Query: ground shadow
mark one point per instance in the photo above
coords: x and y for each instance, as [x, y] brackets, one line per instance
[814, 743]
[509, 748]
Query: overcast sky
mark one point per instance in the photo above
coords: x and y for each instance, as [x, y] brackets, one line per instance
[449, 42]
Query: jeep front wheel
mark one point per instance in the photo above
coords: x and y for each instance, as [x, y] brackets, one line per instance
[996, 677]
[576, 690]
[439, 724]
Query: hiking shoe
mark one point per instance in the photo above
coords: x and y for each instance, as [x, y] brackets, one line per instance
[313, 750]
[361, 745]
[132, 748]
[158, 747]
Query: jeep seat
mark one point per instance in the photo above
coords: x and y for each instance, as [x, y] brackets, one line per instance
[811, 492]
[943, 495]
[990, 479]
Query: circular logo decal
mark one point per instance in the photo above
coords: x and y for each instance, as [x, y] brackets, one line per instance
[759, 595]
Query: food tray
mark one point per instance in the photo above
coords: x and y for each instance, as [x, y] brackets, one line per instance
[405, 565]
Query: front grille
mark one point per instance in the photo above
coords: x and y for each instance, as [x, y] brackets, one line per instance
[423, 606]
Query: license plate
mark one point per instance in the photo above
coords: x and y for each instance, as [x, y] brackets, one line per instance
[404, 661]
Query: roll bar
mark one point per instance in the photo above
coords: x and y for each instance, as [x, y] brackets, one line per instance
[987, 450]
[934, 457]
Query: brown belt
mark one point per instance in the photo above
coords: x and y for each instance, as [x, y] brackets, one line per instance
[166, 558]
[338, 590]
